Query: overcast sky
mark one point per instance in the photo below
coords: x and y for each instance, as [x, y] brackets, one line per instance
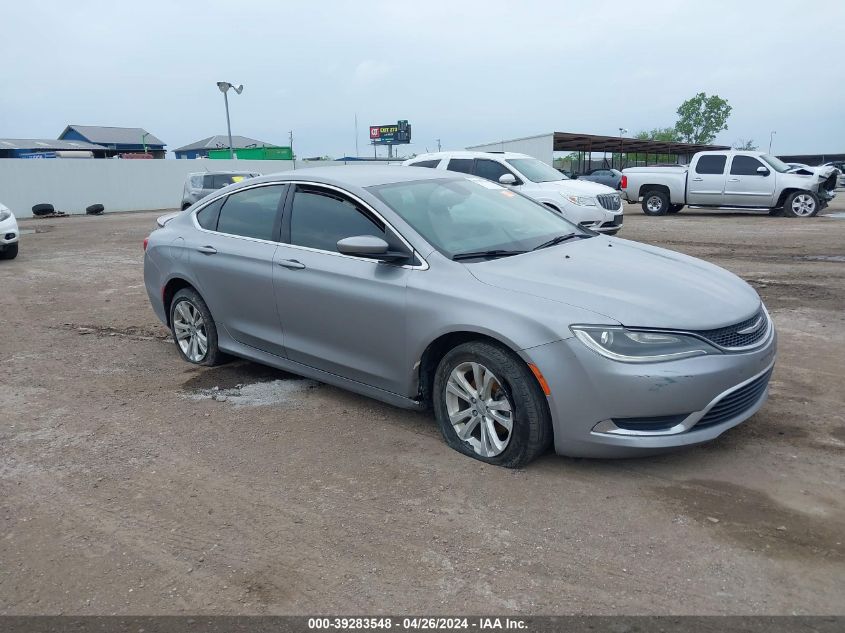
[464, 72]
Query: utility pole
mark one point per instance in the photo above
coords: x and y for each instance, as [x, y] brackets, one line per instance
[438, 145]
[356, 135]
[224, 88]
[771, 136]
[292, 155]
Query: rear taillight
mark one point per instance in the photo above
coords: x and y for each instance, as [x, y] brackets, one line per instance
[146, 240]
[624, 183]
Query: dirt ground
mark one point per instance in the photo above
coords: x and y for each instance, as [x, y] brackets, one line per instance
[134, 483]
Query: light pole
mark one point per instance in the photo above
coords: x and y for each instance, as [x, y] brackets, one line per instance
[224, 88]
[771, 136]
[622, 133]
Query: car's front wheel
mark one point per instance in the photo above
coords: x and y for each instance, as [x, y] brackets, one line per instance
[193, 328]
[490, 406]
[801, 204]
[10, 252]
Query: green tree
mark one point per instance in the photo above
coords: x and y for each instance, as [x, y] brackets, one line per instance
[745, 145]
[701, 118]
[668, 134]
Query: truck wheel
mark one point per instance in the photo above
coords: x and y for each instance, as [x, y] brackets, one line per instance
[801, 204]
[674, 208]
[655, 203]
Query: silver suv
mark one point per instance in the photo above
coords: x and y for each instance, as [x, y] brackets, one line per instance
[199, 185]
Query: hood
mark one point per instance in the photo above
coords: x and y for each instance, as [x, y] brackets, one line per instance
[575, 187]
[631, 283]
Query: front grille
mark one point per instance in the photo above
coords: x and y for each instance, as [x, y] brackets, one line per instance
[730, 336]
[736, 403]
[610, 201]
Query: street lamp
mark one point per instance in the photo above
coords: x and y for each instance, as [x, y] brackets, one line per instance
[622, 133]
[224, 88]
[770, 140]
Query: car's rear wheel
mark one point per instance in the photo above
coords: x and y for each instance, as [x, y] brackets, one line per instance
[193, 328]
[655, 203]
[490, 406]
[801, 204]
[10, 252]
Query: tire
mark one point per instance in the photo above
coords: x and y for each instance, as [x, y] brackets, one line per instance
[517, 397]
[801, 204]
[10, 252]
[655, 203]
[674, 208]
[43, 209]
[186, 304]
[95, 209]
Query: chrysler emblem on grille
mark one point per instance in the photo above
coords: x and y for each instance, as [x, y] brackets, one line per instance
[753, 327]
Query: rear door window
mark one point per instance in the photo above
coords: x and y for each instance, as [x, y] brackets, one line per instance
[463, 165]
[711, 164]
[252, 212]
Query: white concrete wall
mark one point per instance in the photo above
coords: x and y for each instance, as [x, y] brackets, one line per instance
[540, 147]
[70, 185]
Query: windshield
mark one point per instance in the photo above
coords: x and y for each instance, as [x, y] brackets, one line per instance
[536, 170]
[776, 163]
[471, 214]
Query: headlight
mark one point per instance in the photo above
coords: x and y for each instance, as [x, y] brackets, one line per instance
[581, 201]
[5, 214]
[630, 346]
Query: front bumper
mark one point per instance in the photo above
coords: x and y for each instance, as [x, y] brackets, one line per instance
[590, 392]
[9, 232]
[596, 218]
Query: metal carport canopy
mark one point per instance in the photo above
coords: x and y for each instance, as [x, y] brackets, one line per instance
[571, 142]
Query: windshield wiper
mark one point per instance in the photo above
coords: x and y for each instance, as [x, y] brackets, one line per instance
[499, 252]
[559, 239]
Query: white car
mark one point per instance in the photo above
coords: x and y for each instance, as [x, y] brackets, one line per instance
[9, 233]
[588, 204]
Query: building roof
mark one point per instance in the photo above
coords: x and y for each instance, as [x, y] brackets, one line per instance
[221, 141]
[574, 142]
[47, 145]
[113, 135]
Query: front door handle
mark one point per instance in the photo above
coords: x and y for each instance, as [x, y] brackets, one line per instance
[207, 250]
[291, 263]
[697, 179]
[733, 179]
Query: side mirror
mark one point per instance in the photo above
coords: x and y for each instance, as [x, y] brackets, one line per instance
[507, 179]
[762, 171]
[368, 246]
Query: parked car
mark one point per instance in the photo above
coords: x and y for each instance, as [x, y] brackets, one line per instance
[199, 185]
[839, 165]
[587, 204]
[423, 287]
[9, 233]
[608, 177]
[730, 180]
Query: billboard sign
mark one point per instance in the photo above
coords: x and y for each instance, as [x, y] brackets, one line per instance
[398, 133]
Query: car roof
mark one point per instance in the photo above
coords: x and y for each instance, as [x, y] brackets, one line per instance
[468, 154]
[219, 172]
[356, 175]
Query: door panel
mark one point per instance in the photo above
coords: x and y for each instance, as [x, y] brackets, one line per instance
[745, 187]
[706, 180]
[343, 315]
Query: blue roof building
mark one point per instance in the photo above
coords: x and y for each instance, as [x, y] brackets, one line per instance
[116, 140]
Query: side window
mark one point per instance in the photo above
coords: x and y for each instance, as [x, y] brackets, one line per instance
[207, 216]
[490, 169]
[711, 164]
[463, 165]
[224, 180]
[426, 163]
[745, 166]
[320, 218]
[208, 182]
[251, 213]
[196, 181]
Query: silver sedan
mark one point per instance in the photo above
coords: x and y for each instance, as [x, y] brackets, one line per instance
[427, 288]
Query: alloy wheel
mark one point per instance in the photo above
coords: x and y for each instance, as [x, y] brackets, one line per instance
[479, 409]
[654, 204]
[189, 327]
[803, 205]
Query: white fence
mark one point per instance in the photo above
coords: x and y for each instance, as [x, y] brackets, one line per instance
[70, 185]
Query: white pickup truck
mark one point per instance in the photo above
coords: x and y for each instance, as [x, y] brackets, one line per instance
[731, 180]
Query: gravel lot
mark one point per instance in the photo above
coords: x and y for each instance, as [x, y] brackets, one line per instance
[133, 483]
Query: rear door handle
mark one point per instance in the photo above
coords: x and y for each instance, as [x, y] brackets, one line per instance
[733, 179]
[697, 179]
[291, 263]
[207, 250]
